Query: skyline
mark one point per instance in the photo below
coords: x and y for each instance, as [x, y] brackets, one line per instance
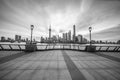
[102, 15]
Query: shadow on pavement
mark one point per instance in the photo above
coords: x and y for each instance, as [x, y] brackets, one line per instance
[11, 57]
[107, 56]
[74, 71]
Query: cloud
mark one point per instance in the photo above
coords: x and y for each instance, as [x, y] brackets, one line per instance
[111, 34]
[18, 15]
[101, 15]
[61, 31]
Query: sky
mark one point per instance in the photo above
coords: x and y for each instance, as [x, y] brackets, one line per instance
[103, 16]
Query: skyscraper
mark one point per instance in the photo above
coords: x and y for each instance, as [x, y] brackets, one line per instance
[64, 37]
[80, 38]
[17, 38]
[50, 32]
[2, 39]
[69, 36]
[74, 33]
[26, 39]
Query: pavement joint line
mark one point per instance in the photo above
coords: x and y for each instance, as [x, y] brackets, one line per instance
[108, 57]
[11, 57]
[66, 68]
[11, 71]
[73, 70]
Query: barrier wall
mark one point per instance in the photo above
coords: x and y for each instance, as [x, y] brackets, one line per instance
[22, 47]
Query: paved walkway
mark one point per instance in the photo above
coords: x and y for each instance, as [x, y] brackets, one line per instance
[60, 65]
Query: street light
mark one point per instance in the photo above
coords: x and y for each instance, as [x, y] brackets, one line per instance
[32, 26]
[90, 29]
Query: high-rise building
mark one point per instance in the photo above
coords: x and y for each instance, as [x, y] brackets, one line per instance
[42, 39]
[64, 37]
[80, 38]
[17, 38]
[2, 39]
[54, 38]
[50, 32]
[9, 39]
[85, 40]
[26, 39]
[69, 36]
[74, 33]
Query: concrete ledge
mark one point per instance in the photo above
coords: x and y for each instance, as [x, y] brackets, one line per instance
[91, 48]
[30, 47]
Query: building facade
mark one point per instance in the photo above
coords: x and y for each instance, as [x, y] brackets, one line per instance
[74, 33]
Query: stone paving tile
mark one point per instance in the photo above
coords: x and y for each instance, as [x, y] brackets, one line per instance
[51, 65]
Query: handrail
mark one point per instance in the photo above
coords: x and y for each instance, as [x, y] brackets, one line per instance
[58, 46]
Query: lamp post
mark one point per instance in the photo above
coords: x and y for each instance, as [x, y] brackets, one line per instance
[90, 29]
[32, 26]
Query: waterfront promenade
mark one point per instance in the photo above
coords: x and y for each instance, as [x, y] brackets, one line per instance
[59, 65]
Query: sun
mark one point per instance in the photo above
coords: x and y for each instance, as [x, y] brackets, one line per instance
[62, 20]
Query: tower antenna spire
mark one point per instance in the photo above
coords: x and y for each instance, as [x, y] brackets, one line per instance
[50, 27]
[50, 32]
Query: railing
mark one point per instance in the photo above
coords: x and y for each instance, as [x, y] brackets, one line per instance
[21, 47]
[108, 48]
[12, 47]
